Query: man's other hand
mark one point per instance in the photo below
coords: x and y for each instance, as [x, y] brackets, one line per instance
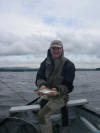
[43, 87]
[54, 89]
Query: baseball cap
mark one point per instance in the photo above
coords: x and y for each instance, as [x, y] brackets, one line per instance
[56, 43]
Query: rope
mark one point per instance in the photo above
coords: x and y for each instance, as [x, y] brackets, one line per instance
[17, 93]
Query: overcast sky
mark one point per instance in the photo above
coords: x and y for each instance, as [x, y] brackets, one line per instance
[28, 26]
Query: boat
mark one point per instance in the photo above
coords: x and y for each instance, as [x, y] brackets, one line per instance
[82, 119]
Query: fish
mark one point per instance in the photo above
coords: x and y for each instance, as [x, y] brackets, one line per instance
[46, 91]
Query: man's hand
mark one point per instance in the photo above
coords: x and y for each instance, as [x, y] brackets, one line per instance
[54, 89]
[43, 87]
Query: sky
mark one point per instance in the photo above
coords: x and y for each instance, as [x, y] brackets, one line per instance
[27, 28]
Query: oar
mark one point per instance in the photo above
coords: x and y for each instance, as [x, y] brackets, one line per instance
[34, 100]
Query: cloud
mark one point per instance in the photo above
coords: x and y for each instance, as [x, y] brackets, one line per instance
[28, 26]
[80, 48]
[81, 43]
[11, 44]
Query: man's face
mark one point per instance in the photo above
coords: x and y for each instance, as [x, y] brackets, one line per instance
[56, 51]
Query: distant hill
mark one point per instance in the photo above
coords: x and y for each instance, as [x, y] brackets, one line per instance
[97, 69]
[21, 69]
[85, 69]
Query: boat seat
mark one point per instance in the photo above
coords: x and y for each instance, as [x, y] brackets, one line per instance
[64, 110]
[37, 107]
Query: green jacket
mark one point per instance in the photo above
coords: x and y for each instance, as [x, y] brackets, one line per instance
[56, 73]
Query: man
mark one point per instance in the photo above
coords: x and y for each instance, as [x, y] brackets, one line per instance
[57, 73]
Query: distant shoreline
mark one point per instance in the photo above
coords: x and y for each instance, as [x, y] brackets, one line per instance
[17, 69]
[22, 69]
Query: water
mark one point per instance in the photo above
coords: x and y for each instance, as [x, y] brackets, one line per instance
[86, 82]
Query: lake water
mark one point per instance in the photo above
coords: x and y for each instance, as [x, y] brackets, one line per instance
[13, 84]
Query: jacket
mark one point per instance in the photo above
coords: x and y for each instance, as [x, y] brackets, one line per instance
[49, 75]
